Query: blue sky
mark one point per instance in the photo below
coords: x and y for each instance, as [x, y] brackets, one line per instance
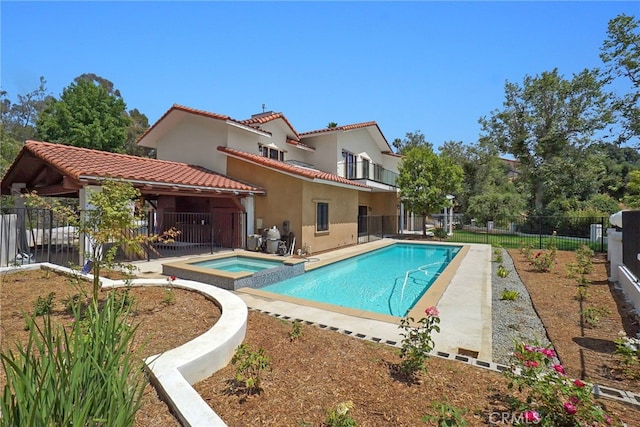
[430, 66]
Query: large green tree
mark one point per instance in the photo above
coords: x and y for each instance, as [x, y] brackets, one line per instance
[487, 181]
[411, 139]
[546, 123]
[620, 53]
[425, 179]
[19, 117]
[88, 114]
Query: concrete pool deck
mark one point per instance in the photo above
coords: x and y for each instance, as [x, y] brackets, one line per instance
[464, 302]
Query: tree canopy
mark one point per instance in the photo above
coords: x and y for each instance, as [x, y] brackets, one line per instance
[547, 123]
[89, 114]
[620, 53]
[425, 179]
[411, 140]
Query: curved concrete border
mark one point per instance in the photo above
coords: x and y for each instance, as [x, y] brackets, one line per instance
[173, 371]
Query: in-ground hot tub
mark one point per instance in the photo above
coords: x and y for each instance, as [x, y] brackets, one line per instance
[232, 270]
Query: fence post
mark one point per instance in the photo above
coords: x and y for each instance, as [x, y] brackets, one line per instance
[50, 235]
[150, 226]
[540, 232]
[602, 234]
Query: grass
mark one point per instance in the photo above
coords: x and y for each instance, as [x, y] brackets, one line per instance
[513, 241]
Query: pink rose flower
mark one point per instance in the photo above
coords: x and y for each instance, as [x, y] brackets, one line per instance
[569, 408]
[529, 348]
[548, 352]
[559, 369]
[531, 416]
[608, 420]
[578, 383]
[432, 312]
[531, 364]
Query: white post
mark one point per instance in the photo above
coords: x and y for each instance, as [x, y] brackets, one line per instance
[249, 207]
[450, 199]
[84, 243]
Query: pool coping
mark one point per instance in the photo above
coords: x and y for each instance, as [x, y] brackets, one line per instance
[188, 264]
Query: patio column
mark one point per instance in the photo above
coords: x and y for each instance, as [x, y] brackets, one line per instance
[248, 204]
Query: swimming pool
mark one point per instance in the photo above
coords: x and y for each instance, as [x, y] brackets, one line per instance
[387, 281]
[239, 263]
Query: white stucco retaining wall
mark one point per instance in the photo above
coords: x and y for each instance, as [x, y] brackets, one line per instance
[174, 371]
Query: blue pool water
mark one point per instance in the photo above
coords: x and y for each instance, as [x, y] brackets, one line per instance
[239, 263]
[374, 281]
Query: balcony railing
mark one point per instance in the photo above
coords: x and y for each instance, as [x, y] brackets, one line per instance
[367, 170]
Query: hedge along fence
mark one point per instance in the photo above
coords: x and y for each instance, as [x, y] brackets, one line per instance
[563, 232]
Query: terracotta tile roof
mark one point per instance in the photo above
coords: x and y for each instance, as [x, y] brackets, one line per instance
[177, 107]
[259, 119]
[343, 128]
[300, 144]
[83, 163]
[313, 174]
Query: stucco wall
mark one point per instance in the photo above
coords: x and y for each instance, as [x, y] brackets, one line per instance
[343, 216]
[194, 141]
[293, 199]
[380, 203]
[283, 200]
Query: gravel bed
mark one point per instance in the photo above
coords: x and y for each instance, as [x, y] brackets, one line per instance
[512, 320]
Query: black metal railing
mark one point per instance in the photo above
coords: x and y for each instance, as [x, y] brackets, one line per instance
[33, 235]
[37, 235]
[631, 241]
[540, 232]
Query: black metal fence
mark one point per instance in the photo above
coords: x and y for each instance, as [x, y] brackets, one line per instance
[376, 227]
[631, 241]
[196, 232]
[563, 232]
[36, 235]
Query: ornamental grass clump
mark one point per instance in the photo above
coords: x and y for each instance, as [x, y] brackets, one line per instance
[86, 375]
[552, 398]
[417, 341]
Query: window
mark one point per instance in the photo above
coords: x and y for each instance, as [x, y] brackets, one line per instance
[271, 153]
[349, 164]
[322, 216]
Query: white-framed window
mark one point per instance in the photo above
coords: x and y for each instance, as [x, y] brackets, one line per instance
[349, 160]
[322, 216]
[271, 153]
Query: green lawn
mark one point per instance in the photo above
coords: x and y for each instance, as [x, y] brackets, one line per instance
[514, 241]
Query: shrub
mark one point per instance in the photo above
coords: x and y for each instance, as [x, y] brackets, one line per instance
[629, 350]
[502, 271]
[417, 341]
[509, 295]
[552, 399]
[42, 306]
[440, 233]
[497, 255]
[582, 293]
[592, 315]
[251, 365]
[86, 376]
[296, 330]
[447, 415]
[544, 260]
[339, 417]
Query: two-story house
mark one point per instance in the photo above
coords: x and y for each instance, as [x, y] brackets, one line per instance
[318, 182]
